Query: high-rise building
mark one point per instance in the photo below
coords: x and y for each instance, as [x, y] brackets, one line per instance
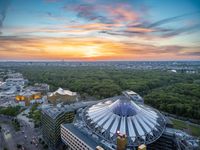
[52, 118]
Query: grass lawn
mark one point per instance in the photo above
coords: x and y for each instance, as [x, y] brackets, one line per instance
[195, 130]
[190, 129]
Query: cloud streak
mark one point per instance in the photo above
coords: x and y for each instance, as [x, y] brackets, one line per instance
[3, 10]
[122, 20]
[88, 49]
[171, 19]
[96, 29]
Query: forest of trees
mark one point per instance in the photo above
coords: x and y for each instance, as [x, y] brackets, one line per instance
[182, 99]
[176, 93]
[10, 111]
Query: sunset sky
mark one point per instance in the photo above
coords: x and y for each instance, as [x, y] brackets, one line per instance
[90, 30]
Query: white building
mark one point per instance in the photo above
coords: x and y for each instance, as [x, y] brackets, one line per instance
[9, 93]
[15, 81]
[134, 96]
[75, 139]
[3, 85]
[15, 75]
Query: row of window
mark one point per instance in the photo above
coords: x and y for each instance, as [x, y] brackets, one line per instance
[74, 142]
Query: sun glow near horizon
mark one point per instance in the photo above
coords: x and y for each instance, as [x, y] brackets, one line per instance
[83, 30]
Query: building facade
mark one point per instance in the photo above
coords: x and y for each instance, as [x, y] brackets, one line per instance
[76, 140]
[62, 96]
[117, 123]
[52, 118]
[28, 97]
[121, 123]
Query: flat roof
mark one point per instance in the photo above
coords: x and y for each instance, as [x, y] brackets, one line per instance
[82, 136]
[130, 92]
[54, 111]
[15, 79]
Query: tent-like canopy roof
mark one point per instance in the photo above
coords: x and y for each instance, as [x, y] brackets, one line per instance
[140, 123]
[61, 91]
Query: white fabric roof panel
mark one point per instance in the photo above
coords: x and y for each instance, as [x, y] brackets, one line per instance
[129, 118]
[138, 127]
[146, 127]
[131, 130]
[108, 123]
[104, 119]
[115, 125]
[123, 126]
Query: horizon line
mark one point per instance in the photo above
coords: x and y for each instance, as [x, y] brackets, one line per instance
[96, 60]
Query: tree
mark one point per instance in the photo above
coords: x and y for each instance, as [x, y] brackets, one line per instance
[19, 146]
[46, 146]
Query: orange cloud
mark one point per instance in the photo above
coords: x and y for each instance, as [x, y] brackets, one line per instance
[86, 49]
[93, 26]
[123, 14]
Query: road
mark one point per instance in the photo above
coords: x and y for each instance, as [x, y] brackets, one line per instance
[8, 132]
[10, 138]
[26, 135]
[23, 117]
[2, 141]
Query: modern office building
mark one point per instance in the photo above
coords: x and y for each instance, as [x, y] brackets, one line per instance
[119, 123]
[52, 118]
[75, 139]
[62, 96]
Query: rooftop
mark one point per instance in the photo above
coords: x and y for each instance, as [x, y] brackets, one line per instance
[15, 75]
[15, 79]
[28, 93]
[140, 123]
[63, 92]
[85, 138]
[130, 92]
[54, 111]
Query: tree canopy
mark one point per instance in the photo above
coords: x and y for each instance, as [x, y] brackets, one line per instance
[176, 93]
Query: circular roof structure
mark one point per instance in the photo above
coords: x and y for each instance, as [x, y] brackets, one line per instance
[140, 123]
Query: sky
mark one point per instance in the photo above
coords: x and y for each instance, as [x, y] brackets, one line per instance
[100, 30]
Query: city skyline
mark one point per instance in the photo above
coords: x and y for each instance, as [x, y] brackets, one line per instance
[95, 30]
